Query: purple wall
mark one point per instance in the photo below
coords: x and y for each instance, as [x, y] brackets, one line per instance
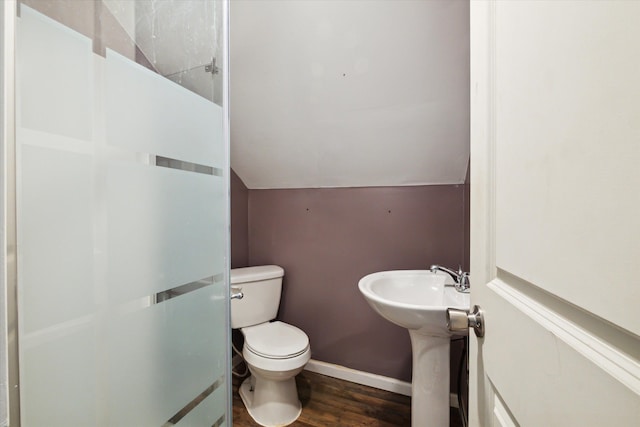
[327, 239]
[239, 222]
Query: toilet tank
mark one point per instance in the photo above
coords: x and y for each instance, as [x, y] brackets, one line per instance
[261, 286]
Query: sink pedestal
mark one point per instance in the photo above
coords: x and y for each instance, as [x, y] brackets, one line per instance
[430, 380]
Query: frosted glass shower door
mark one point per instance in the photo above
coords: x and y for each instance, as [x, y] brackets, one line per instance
[122, 224]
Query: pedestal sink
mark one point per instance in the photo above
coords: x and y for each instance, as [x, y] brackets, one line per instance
[418, 300]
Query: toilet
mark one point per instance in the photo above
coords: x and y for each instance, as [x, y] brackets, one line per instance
[275, 352]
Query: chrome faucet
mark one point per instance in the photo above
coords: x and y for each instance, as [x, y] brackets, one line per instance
[461, 278]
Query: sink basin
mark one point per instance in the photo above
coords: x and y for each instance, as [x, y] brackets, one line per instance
[418, 300]
[413, 299]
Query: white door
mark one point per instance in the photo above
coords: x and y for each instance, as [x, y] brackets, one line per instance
[555, 205]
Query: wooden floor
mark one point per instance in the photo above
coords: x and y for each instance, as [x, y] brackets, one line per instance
[329, 402]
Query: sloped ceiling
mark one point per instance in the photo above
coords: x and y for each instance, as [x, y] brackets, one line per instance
[349, 93]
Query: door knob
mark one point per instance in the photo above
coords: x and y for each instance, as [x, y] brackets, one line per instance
[458, 321]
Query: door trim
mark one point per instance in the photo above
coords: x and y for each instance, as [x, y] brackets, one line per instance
[483, 141]
[482, 86]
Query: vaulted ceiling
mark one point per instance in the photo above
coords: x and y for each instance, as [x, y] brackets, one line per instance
[348, 93]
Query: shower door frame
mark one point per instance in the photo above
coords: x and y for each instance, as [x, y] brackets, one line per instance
[10, 276]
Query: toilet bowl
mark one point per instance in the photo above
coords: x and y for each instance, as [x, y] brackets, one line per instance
[275, 352]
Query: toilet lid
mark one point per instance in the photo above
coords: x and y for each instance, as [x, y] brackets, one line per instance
[275, 340]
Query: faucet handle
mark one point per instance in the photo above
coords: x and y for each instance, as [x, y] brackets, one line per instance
[464, 283]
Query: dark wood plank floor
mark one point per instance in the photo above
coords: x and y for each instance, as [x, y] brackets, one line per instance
[329, 402]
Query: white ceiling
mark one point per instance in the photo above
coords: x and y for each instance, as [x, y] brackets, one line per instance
[349, 93]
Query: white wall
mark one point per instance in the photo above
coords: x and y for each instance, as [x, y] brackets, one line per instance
[347, 93]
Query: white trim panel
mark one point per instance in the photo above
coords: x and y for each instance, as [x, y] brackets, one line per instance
[608, 358]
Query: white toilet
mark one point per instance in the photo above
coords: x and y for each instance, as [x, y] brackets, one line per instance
[274, 351]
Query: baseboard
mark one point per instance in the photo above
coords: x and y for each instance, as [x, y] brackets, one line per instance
[365, 378]
[359, 377]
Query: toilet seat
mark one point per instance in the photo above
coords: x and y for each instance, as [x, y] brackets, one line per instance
[275, 347]
[275, 340]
